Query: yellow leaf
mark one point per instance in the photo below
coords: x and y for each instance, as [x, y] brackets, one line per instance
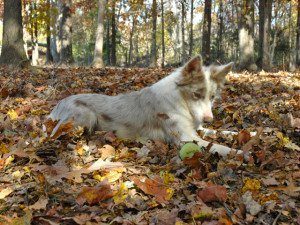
[121, 195]
[12, 114]
[3, 148]
[81, 151]
[98, 177]
[26, 168]
[9, 160]
[171, 192]
[5, 192]
[251, 185]
[24, 220]
[168, 177]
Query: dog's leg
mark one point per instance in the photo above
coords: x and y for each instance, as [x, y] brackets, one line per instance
[210, 132]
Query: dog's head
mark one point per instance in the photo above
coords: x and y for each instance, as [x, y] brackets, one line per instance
[199, 85]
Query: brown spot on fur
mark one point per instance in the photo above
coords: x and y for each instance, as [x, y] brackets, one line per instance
[106, 117]
[163, 116]
[128, 125]
[80, 103]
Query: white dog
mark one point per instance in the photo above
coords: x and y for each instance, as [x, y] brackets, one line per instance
[170, 110]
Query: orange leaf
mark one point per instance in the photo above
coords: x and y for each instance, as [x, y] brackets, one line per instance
[213, 194]
[154, 187]
[96, 194]
[64, 128]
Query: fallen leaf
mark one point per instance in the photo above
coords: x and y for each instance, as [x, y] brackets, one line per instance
[153, 186]
[97, 194]
[213, 194]
[106, 151]
[40, 204]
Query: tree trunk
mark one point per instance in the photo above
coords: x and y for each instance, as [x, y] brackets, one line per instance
[265, 12]
[65, 35]
[246, 35]
[162, 35]
[298, 38]
[130, 58]
[48, 54]
[107, 42]
[53, 30]
[35, 46]
[191, 30]
[184, 57]
[98, 54]
[153, 44]
[13, 51]
[220, 38]
[113, 34]
[206, 32]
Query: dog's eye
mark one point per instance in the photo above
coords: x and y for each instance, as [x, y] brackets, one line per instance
[197, 95]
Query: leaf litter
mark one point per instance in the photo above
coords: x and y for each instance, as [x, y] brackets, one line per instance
[75, 178]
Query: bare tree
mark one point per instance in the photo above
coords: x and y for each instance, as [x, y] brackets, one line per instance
[153, 43]
[162, 35]
[246, 34]
[13, 51]
[206, 32]
[65, 34]
[98, 54]
[298, 38]
[265, 12]
[191, 29]
[183, 12]
[113, 35]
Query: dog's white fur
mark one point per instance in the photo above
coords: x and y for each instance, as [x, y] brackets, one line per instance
[170, 110]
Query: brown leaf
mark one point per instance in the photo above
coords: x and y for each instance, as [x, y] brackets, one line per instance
[107, 151]
[244, 136]
[154, 187]
[213, 194]
[95, 194]
[40, 204]
[4, 92]
[64, 128]
[49, 124]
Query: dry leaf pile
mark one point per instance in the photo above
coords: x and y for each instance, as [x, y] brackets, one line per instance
[74, 178]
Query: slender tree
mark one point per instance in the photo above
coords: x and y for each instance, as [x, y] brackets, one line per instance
[265, 12]
[220, 35]
[98, 54]
[153, 43]
[130, 60]
[246, 34]
[49, 54]
[113, 34]
[191, 29]
[183, 12]
[65, 34]
[162, 35]
[13, 51]
[54, 48]
[206, 32]
[298, 38]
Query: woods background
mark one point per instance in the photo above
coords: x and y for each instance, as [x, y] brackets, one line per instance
[254, 34]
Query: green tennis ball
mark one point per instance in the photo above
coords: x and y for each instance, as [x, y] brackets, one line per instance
[188, 150]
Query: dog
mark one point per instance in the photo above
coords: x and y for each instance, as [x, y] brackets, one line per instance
[170, 110]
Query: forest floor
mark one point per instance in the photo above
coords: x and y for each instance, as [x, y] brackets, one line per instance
[101, 179]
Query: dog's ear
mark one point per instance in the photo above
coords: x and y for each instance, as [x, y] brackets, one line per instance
[194, 65]
[191, 71]
[218, 73]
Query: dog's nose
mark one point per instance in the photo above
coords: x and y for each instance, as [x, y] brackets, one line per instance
[207, 118]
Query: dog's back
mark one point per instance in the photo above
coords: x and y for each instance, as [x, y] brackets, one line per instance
[169, 110]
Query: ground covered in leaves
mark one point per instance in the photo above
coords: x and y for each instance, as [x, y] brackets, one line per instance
[101, 179]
